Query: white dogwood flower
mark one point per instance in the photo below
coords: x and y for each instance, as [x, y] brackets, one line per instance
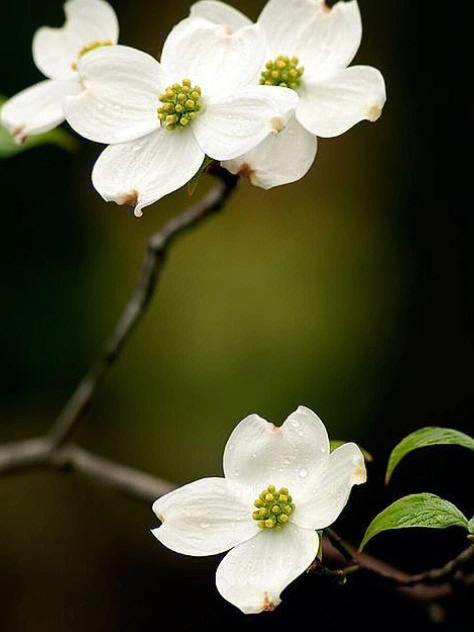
[309, 47]
[56, 51]
[280, 486]
[161, 119]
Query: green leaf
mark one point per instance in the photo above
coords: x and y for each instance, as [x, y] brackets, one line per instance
[418, 510]
[58, 136]
[423, 438]
[194, 182]
[335, 443]
[470, 525]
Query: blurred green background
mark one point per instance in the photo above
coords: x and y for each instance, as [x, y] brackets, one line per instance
[346, 292]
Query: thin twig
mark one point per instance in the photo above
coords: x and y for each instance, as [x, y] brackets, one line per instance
[140, 486]
[427, 586]
[158, 245]
[53, 452]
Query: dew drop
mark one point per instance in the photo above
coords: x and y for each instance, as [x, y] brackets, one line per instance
[204, 525]
[303, 472]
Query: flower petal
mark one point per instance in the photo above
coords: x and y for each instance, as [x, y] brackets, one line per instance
[143, 171]
[325, 39]
[279, 159]
[332, 107]
[259, 454]
[120, 98]
[219, 13]
[253, 575]
[38, 108]
[218, 60]
[232, 126]
[205, 517]
[55, 50]
[331, 487]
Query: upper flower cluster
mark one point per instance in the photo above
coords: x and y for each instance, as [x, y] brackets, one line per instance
[253, 96]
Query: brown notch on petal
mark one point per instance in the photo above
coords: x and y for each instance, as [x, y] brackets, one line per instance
[129, 199]
[325, 7]
[246, 171]
[268, 605]
[19, 134]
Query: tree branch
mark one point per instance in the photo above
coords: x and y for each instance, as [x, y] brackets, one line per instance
[54, 452]
[158, 246]
[428, 586]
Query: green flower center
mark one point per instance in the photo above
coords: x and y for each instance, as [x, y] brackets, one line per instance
[273, 508]
[92, 46]
[181, 104]
[284, 72]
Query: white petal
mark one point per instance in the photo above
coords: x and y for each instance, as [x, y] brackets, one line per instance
[55, 50]
[331, 487]
[332, 107]
[219, 13]
[324, 39]
[38, 108]
[120, 98]
[212, 56]
[232, 126]
[258, 453]
[206, 517]
[143, 171]
[279, 159]
[253, 575]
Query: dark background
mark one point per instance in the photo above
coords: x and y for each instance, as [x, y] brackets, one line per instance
[349, 292]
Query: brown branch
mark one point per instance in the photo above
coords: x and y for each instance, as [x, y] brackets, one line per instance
[54, 452]
[158, 245]
[427, 586]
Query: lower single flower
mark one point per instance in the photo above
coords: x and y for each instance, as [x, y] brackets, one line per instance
[280, 486]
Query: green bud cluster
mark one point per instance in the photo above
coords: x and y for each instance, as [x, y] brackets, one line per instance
[181, 104]
[273, 508]
[92, 46]
[283, 72]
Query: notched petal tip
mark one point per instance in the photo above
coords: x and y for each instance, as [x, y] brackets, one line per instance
[268, 604]
[131, 199]
[278, 124]
[19, 134]
[359, 475]
[374, 113]
[325, 8]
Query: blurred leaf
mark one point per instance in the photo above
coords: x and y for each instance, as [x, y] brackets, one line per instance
[470, 525]
[423, 438]
[335, 443]
[418, 510]
[194, 182]
[58, 136]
